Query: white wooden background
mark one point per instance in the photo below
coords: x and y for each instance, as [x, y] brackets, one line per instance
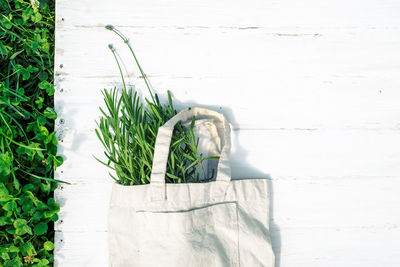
[312, 89]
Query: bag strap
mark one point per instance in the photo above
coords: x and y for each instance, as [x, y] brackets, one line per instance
[163, 141]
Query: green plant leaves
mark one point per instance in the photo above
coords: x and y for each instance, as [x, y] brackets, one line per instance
[5, 165]
[40, 228]
[128, 130]
[26, 72]
[50, 113]
[28, 249]
[48, 245]
[4, 195]
[10, 206]
[28, 146]
[48, 87]
[22, 227]
[6, 21]
[4, 49]
[26, 14]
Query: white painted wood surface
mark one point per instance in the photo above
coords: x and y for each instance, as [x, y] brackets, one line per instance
[312, 89]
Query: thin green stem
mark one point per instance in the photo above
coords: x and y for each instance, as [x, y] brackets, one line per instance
[126, 41]
[119, 66]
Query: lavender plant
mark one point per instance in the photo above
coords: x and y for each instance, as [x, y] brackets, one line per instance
[128, 130]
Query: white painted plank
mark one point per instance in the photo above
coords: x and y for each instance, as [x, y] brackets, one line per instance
[283, 14]
[346, 203]
[293, 247]
[81, 249]
[310, 87]
[272, 81]
[362, 106]
[302, 247]
[306, 107]
[257, 153]
[239, 55]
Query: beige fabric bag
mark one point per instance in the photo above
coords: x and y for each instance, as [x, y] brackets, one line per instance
[219, 223]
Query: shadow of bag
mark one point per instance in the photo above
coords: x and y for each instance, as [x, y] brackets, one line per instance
[219, 223]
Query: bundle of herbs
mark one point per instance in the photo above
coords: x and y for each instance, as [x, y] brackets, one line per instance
[128, 130]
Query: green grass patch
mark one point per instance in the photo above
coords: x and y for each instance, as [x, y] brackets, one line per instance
[28, 144]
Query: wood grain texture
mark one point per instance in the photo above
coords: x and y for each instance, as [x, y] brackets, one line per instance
[314, 221]
[329, 203]
[259, 153]
[301, 247]
[311, 89]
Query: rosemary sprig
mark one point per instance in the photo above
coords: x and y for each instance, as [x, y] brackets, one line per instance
[128, 130]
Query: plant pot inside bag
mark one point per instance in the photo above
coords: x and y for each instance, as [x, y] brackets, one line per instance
[217, 223]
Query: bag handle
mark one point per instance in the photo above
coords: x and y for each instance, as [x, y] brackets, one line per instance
[163, 141]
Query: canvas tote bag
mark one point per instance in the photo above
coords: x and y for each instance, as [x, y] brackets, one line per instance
[219, 223]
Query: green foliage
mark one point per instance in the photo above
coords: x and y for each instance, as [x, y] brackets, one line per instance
[28, 144]
[128, 130]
